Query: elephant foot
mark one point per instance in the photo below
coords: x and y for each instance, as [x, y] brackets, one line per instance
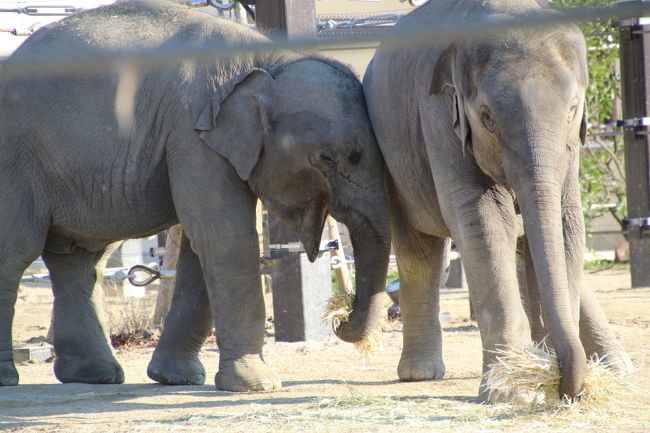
[8, 374]
[249, 373]
[618, 362]
[172, 370]
[73, 369]
[517, 397]
[413, 368]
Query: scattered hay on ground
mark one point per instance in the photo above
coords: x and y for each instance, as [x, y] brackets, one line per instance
[534, 372]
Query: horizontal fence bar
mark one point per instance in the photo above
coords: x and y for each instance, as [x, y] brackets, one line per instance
[72, 63]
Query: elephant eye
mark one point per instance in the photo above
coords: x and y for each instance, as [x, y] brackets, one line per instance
[487, 120]
[573, 111]
[354, 157]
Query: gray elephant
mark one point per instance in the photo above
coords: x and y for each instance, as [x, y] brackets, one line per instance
[206, 142]
[478, 135]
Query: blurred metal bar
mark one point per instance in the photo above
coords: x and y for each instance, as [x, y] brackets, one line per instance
[72, 63]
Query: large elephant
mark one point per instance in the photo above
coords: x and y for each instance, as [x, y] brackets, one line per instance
[478, 135]
[205, 143]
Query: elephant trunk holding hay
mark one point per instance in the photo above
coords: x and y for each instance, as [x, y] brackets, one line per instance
[477, 134]
[206, 141]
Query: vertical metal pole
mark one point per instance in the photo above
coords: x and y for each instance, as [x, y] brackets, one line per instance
[300, 289]
[635, 67]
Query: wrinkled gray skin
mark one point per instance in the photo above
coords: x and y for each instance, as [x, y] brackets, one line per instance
[207, 141]
[474, 133]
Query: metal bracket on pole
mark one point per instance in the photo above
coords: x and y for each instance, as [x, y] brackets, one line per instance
[634, 24]
[640, 224]
[639, 124]
[275, 252]
[296, 247]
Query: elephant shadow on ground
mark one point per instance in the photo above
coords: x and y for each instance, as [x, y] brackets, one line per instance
[31, 405]
[295, 383]
[26, 401]
[154, 407]
[461, 328]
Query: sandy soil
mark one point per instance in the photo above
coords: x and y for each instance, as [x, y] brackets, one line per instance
[327, 385]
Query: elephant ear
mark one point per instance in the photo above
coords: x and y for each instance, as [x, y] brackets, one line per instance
[583, 126]
[445, 75]
[235, 120]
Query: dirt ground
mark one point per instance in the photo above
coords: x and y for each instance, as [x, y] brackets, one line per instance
[327, 385]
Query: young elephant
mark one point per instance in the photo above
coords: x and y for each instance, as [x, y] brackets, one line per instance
[472, 133]
[206, 142]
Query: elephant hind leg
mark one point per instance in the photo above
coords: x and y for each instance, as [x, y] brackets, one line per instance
[80, 337]
[529, 292]
[421, 260]
[175, 360]
[21, 242]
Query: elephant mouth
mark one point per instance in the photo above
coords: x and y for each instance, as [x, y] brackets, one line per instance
[310, 228]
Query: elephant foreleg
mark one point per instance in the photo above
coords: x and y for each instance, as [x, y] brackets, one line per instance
[595, 333]
[485, 229]
[219, 223]
[175, 360]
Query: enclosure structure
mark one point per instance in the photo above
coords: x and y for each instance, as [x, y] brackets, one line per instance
[635, 66]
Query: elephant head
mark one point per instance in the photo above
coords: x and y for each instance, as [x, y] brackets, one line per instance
[518, 102]
[300, 136]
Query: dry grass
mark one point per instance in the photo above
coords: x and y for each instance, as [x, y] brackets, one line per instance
[130, 323]
[338, 311]
[533, 372]
[356, 410]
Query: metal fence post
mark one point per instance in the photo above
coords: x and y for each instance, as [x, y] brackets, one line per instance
[299, 288]
[635, 66]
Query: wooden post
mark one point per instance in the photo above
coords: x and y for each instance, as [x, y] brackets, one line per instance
[300, 289]
[166, 285]
[635, 67]
[286, 18]
[342, 271]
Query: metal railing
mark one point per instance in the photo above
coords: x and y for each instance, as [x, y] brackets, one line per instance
[72, 63]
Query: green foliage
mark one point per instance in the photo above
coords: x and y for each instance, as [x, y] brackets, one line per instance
[602, 182]
[392, 276]
[604, 264]
[602, 175]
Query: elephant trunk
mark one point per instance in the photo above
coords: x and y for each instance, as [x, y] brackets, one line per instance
[371, 243]
[538, 192]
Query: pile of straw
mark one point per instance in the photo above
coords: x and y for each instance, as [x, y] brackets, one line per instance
[338, 311]
[533, 371]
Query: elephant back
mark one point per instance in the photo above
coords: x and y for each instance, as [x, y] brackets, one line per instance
[133, 25]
